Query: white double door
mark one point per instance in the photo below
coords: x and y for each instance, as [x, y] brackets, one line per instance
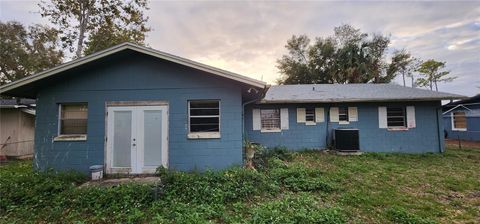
[137, 139]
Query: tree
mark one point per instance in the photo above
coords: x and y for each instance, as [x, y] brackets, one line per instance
[76, 20]
[26, 51]
[433, 73]
[349, 56]
[404, 64]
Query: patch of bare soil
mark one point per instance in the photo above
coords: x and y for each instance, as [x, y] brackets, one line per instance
[455, 143]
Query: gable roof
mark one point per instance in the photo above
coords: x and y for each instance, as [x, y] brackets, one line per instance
[472, 100]
[145, 50]
[17, 103]
[320, 93]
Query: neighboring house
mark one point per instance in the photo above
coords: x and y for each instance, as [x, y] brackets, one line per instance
[132, 109]
[462, 119]
[17, 127]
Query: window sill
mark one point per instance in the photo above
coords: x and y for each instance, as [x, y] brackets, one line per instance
[343, 122]
[270, 130]
[66, 138]
[203, 135]
[397, 129]
[459, 129]
[310, 123]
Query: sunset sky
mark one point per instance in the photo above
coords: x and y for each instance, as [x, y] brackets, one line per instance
[248, 37]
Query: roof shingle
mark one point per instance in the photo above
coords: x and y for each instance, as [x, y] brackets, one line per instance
[307, 93]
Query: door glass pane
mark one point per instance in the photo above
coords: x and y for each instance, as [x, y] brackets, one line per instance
[153, 138]
[122, 138]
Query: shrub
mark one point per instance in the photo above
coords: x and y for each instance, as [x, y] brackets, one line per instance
[402, 216]
[295, 209]
[266, 155]
[215, 187]
[299, 178]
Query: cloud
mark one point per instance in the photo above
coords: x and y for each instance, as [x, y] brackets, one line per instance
[248, 37]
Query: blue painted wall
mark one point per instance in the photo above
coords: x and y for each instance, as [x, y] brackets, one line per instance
[426, 137]
[132, 77]
[473, 124]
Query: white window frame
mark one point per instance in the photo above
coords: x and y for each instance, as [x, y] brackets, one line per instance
[405, 121]
[346, 114]
[453, 121]
[279, 129]
[69, 137]
[203, 135]
[312, 122]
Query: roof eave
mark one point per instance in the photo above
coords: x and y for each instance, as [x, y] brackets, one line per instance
[354, 100]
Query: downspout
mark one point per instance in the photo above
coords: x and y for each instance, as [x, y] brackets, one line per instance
[249, 102]
[327, 119]
[439, 132]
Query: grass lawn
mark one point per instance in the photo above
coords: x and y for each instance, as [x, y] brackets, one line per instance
[305, 187]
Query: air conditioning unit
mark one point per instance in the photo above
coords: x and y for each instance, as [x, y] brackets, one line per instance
[347, 140]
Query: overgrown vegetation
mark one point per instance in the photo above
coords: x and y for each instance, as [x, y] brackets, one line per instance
[302, 187]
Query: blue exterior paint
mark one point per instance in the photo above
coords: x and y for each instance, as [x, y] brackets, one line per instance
[136, 77]
[131, 76]
[426, 137]
[473, 124]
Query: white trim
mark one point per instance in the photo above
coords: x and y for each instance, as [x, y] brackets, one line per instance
[67, 138]
[270, 130]
[256, 120]
[137, 48]
[200, 135]
[382, 117]
[284, 120]
[301, 115]
[203, 135]
[310, 123]
[319, 114]
[410, 120]
[452, 117]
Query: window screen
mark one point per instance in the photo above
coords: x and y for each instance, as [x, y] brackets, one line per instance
[459, 120]
[310, 114]
[204, 115]
[343, 113]
[73, 119]
[396, 117]
[270, 119]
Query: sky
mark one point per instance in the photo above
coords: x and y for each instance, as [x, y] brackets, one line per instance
[247, 37]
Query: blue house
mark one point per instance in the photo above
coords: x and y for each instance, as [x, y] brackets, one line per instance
[132, 109]
[462, 119]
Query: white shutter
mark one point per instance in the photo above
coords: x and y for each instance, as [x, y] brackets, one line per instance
[411, 117]
[382, 117]
[284, 118]
[257, 124]
[301, 115]
[352, 114]
[334, 114]
[319, 114]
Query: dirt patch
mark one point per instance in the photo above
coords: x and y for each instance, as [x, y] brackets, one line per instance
[118, 181]
[455, 143]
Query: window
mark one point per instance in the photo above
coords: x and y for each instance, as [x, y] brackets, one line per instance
[270, 119]
[343, 114]
[396, 117]
[459, 121]
[204, 116]
[73, 119]
[310, 115]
